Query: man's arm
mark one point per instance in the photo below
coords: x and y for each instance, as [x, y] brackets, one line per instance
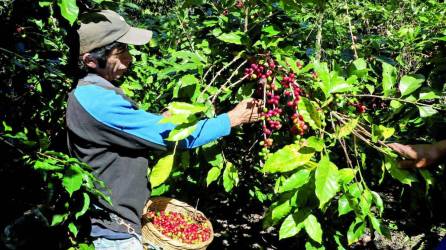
[117, 113]
[420, 155]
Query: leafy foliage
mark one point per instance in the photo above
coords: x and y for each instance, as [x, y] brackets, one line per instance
[387, 57]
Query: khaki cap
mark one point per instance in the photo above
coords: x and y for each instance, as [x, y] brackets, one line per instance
[100, 28]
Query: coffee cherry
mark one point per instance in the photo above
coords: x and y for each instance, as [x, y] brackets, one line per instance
[299, 65]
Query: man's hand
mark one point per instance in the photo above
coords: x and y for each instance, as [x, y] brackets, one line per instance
[420, 155]
[246, 111]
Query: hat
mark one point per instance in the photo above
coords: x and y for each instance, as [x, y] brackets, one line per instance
[100, 28]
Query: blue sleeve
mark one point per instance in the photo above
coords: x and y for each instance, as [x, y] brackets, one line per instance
[113, 110]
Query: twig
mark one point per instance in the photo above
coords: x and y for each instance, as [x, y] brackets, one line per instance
[319, 37]
[368, 142]
[12, 145]
[359, 167]
[229, 87]
[234, 73]
[351, 32]
[392, 98]
[246, 19]
[342, 141]
[207, 72]
[216, 75]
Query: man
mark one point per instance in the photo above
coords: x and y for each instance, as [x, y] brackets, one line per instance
[108, 131]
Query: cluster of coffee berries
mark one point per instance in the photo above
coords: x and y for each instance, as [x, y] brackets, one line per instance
[299, 126]
[360, 108]
[239, 4]
[281, 94]
[181, 227]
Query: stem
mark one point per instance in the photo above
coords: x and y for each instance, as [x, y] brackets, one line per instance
[319, 37]
[246, 19]
[351, 32]
[207, 72]
[342, 142]
[12, 145]
[367, 141]
[359, 166]
[218, 74]
[230, 86]
[396, 99]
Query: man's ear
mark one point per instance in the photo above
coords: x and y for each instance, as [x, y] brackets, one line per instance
[89, 61]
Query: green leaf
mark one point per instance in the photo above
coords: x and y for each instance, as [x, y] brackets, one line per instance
[365, 202]
[160, 190]
[402, 175]
[288, 158]
[72, 180]
[293, 223]
[310, 113]
[378, 202]
[69, 10]
[58, 218]
[427, 111]
[347, 128]
[346, 175]
[296, 180]
[427, 176]
[330, 82]
[327, 176]
[232, 37]
[186, 108]
[161, 171]
[85, 206]
[381, 132]
[230, 177]
[389, 75]
[355, 189]
[313, 228]
[45, 3]
[47, 165]
[376, 224]
[344, 205]
[396, 105]
[428, 95]
[310, 246]
[84, 246]
[188, 80]
[355, 231]
[6, 127]
[213, 175]
[410, 83]
[316, 143]
[270, 30]
[181, 132]
[359, 67]
[73, 229]
[280, 211]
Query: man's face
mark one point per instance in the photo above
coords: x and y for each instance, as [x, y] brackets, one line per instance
[117, 64]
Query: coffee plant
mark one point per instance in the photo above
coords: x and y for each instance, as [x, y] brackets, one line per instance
[338, 81]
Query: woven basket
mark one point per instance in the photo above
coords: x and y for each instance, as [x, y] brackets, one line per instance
[152, 235]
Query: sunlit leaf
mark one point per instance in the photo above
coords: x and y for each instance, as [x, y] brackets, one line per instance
[161, 171]
[327, 176]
